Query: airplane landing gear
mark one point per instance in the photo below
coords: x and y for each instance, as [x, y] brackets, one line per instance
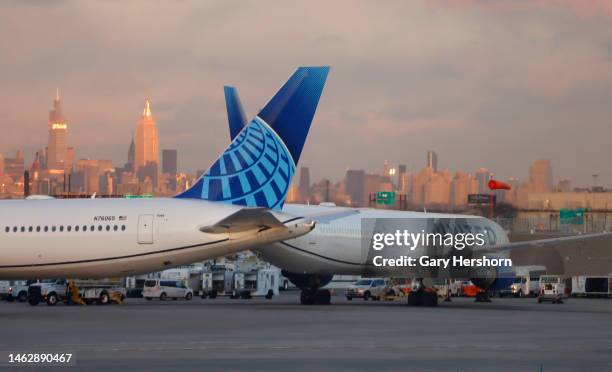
[422, 297]
[316, 297]
[483, 297]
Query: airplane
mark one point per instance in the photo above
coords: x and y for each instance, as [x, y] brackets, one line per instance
[234, 205]
[336, 245]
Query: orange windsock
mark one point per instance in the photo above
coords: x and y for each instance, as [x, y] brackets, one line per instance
[498, 185]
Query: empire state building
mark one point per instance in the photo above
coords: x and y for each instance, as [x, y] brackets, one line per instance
[147, 140]
[57, 151]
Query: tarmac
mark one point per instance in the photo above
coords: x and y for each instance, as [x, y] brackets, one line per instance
[280, 334]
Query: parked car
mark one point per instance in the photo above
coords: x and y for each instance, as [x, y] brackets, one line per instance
[366, 288]
[164, 289]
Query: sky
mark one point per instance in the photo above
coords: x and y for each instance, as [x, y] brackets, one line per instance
[483, 83]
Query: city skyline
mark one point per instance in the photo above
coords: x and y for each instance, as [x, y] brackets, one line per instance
[538, 78]
[54, 172]
[143, 156]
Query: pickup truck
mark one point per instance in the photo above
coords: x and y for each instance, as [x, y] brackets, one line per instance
[14, 290]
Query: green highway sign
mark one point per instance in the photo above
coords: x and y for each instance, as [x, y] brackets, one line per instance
[385, 197]
[571, 216]
[130, 196]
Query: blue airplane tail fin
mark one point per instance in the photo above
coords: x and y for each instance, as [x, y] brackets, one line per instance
[257, 168]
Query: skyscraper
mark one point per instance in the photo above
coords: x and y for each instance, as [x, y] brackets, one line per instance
[355, 186]
[386, 168]
[482, 177]
[169, 162]
[58, 130]
[129, 166]
[402, 179]
[14, 167]
[432, 160]
[304, 187]
[170, 167]
[147, 141]
[540, 176]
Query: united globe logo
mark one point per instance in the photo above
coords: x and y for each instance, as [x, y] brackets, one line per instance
[255, 170]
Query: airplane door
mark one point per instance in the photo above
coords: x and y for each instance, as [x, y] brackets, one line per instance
[145, 229]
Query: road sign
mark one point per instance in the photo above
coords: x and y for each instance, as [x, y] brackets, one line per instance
[385, 197]
[571, 216]
[481, 199]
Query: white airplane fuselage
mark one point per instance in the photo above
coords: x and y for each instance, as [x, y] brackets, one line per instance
[336, 246]
[118, 237]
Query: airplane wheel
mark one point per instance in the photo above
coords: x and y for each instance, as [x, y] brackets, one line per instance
[306, 298]
[245, 295]
[163, 296]
[430, 299]
[322, 297]
[423, 298]
[34, 300]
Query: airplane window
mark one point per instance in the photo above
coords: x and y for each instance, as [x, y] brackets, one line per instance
[84, 227]
[62, 228]
[92, 228]
[31, 228]
[15, 229]
[122, 227]
[37, 228]
[46, 228]
[53, 228]
[115, 227]
[76, 227]
[7, 229]
[99, 227]
[107, 227]
[22, 228]
[69, 228]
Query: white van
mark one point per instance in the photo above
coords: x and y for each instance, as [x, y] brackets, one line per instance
[164, 289]
[552, 288]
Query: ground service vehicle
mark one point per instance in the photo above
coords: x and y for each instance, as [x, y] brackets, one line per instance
[166, 288]
[523, 286]
[366, 288]
[11, 290]
[78, 291]
[261, 282]
[592, 286]
[552, 288]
